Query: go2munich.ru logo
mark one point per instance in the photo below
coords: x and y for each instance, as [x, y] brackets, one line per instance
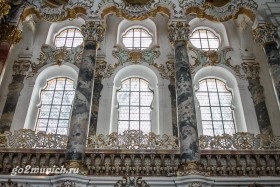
[28, 169]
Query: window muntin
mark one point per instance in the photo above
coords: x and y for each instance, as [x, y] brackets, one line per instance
[134, 105]
[55, 106]
[215, 102]
[137, 38]
[70, 38]
[205, 39]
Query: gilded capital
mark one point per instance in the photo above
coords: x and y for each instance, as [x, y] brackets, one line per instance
[251, 70]
[10, 34]
[93, 31]
[4, 8]
[264, 33]
[178, 31]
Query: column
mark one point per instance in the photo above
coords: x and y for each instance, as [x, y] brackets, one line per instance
[20, 69]
[188, 138]
[93, 33]
[252, 73]
[264, 35]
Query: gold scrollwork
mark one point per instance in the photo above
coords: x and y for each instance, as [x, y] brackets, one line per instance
[4, 8]
[10, 34]
[67, 14]
[133, 17]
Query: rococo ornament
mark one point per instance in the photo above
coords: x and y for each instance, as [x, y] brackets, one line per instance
[265, 33]
[178, 31]
[131, 182]
[93, 31]
[10, 34]
[4, 8]
[251, 70]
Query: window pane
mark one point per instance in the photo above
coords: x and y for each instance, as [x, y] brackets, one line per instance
[70, 37]
[205, 39]
[56, 103]
[137, 38]
[215, 107]
[134, 102]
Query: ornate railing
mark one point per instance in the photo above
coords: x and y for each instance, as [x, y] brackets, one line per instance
[133, 139]
[27, 138]
[239, 141]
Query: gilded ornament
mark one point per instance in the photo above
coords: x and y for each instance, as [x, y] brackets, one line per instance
[93, 31]
[130, 15]
[264, 33]
[131, 182]
[251, 70]
[138, 2]
[178, 31]
[220, 11]
[190, 168]
[55, 3]
[4, 8]
[10, 34]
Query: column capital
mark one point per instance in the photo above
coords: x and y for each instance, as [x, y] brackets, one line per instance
[21, 67]
[93, 31]
[264, 33]
[251, 70]
[178, 31]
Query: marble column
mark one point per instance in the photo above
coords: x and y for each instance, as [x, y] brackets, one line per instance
[20, 69]
[264, 35]
[252, 73]
[178, 35]
[93, 33]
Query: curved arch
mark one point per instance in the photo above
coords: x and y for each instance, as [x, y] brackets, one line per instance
[229, 79]
[46, 73]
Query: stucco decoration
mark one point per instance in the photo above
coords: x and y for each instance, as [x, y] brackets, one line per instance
[131, 182]
[206, 9]
[10, 34]
[4, 8]
[214, 58]
[195, 184]
[136, 57]
[264, 33]
[53, 56]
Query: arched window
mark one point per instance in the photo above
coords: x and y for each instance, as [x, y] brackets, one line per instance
[70, 38]
[215, 103]
[55, 106]
[205, 39]
[134, 105]
[137, 38]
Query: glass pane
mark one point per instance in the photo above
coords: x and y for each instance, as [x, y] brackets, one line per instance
[205, 39]
[137, 38]
[55, 105]
[70, 37]
[134, 104]
[216, 114]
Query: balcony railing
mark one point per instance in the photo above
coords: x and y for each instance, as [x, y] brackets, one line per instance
[134, 153]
